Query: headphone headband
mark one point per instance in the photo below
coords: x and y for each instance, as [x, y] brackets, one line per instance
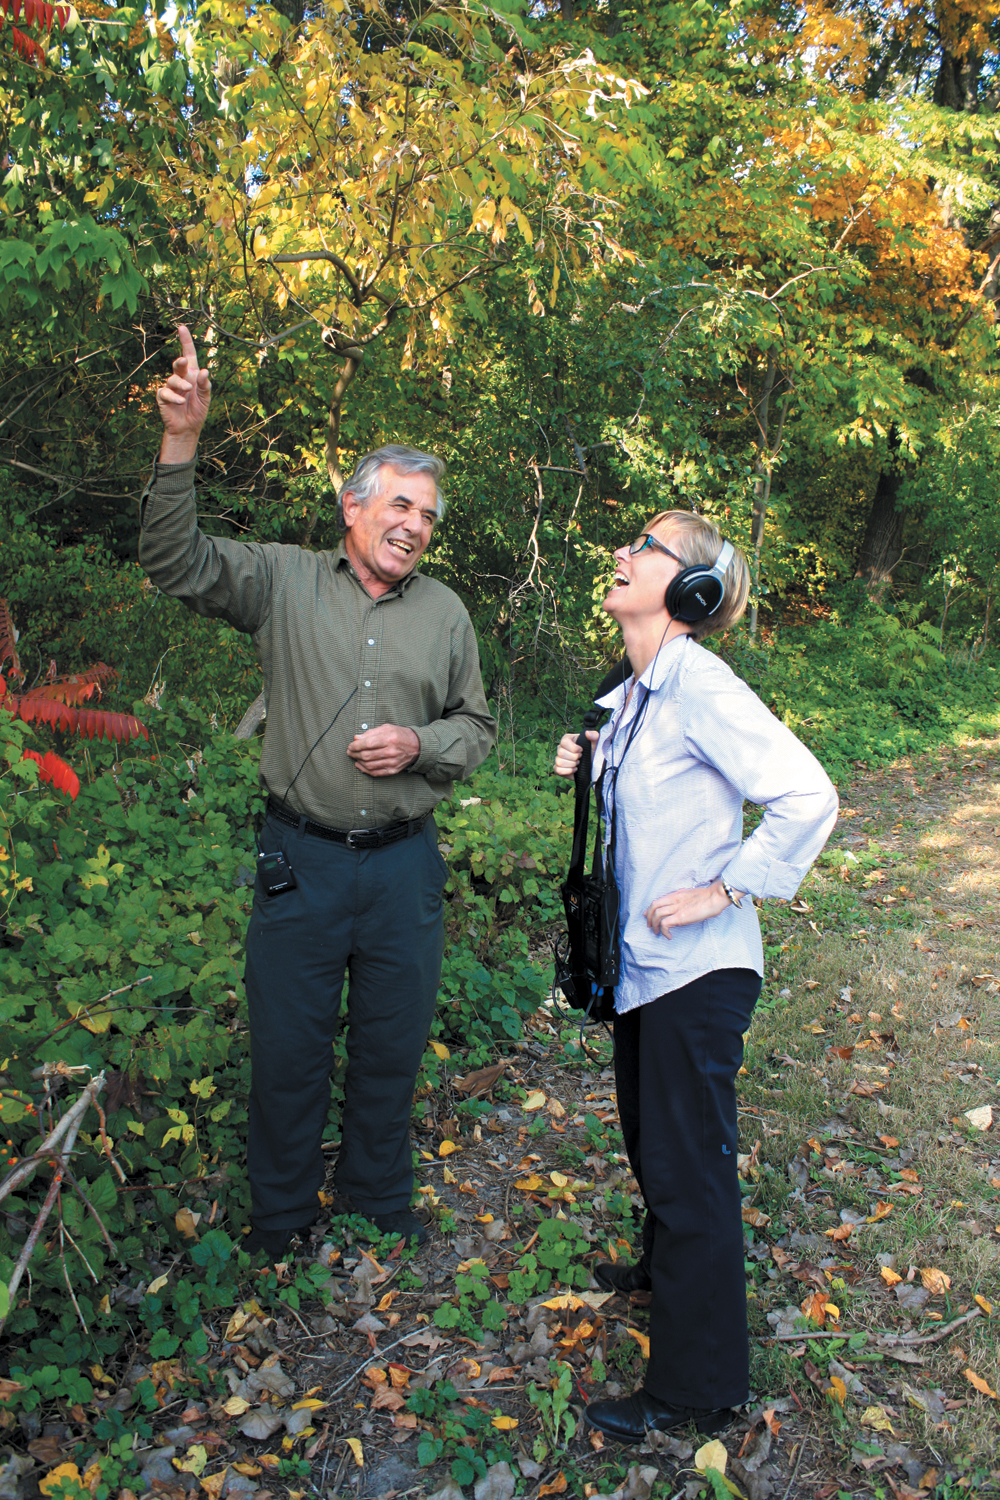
[697, 593]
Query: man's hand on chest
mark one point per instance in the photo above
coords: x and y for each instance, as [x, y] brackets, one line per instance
[384, 751]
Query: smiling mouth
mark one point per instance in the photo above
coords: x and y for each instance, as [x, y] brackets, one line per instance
[403, 548]
[620, 581]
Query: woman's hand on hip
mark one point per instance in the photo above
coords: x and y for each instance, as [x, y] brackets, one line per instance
[569, 752]
[681, 908]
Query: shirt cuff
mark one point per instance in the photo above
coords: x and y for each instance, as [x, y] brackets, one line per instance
[167, 482]
[772, 877]
[427, 756]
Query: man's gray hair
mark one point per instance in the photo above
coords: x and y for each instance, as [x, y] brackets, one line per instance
[365, 480]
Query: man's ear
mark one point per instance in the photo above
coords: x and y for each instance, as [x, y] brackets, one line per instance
[350, 505]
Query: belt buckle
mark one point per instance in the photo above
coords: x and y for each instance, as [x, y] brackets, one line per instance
[356, 833]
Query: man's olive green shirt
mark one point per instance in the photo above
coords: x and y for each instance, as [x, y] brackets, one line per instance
[336, 661]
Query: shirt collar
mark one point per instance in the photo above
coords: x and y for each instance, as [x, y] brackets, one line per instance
[663, 664]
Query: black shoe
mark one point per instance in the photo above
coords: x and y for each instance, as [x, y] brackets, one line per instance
[629, 1419]
[400, 1222]
[615, 1276]
[273, 1242]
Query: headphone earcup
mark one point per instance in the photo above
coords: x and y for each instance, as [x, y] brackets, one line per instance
[694, 594]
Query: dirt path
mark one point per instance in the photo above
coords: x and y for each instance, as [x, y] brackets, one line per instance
[872, 1200]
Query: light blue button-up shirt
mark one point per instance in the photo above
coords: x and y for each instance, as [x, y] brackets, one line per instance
[706, 742]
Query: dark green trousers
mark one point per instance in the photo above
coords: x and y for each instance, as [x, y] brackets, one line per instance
[376, 916]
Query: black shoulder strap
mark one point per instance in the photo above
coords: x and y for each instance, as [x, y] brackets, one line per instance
[619, 674]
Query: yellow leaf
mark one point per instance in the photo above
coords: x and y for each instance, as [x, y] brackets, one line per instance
[503, 1424]
[250, 1470]
[832, 1310]
[104, 1305]
[535, 1100]
[359, 1453]
[838, 1390]
[440, 1050]
[211, 1484]
[642, 1339]
[92, 1477]
[889, 1276]
[311, 1404]
[55, 1477]
[194, 1460]
[987, 1307]
[875, 1417]
[936, 1282]
[236, 1406]
[711, 1455]
[529, 1184]
[882, 1211]
[449, 1175]
[447, 1147]
[156, 1286]
[976, 1380]
[559, 1180]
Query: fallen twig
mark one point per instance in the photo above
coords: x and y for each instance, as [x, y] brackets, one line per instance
[907, 1341]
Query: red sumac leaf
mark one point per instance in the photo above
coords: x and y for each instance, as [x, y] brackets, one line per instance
[53, 768]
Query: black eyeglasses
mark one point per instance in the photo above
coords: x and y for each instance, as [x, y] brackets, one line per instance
[644, 539]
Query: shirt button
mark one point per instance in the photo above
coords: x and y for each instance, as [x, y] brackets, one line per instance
[364, 726]
[364, 812]
[367, 684]
[370, 641]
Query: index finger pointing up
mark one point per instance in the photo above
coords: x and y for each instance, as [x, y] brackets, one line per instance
[188, 350]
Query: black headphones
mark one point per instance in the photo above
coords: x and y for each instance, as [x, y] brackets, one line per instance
[698, 592]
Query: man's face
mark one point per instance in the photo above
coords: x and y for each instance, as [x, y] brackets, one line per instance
[388, 536]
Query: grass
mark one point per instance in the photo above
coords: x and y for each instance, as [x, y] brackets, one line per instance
[877, 1032]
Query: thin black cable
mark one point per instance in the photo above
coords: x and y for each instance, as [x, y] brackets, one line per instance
[284, 798]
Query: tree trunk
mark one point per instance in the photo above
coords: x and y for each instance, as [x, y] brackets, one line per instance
[957, 83]
[882, 546]
[566, 7]
[351, 367]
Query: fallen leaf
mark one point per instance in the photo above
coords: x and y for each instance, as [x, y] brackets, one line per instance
[882, 1211]
[842, 1232]
[529, 1184]
[889, 1141]
[359, 1453]
[936, 1282]
[404, 1419]
[711, 1455]
[156, 1286]
[832, 1311]
[9, 1388]
[755, 1217]
[642, 1339]
[386, 1399]
[838, 1389]
[502, 1372]
[260, 1425]
[875, 1417]
[975, 1380]
[556, 1487]
[504, 1424]
[212, 1484]
[440, 1050]
[194, 1460]
[555, 1109]
[311, 1403]
[236, 1406]
[447, 1147]
[56, 1476]
[558, 1179]
[249, 1470]
[187, 1223]
[889, 1276]
[535, 1100]
[987, 1307]
[479, 1082]
[814, 1307]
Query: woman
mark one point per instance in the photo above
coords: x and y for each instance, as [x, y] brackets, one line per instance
[687, 742]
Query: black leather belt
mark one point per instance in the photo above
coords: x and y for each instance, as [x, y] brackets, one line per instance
[356, 838]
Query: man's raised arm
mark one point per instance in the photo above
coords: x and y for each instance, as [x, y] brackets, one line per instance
[211, 575]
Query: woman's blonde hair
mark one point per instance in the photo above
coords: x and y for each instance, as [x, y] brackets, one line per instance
[698, 543]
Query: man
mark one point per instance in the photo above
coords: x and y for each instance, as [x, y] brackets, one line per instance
[375, 705]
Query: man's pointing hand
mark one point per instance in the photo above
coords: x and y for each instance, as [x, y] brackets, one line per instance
[183, 401]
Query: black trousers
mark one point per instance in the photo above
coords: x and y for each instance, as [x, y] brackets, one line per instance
[676, 1061]
[375, 915]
